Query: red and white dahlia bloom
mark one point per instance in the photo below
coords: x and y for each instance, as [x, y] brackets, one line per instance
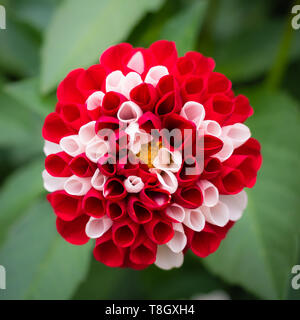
[147, 153]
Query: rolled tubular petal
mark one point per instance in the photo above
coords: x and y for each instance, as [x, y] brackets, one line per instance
[167, 180]
[226, 150]
[149, 121]
[114, 81]
[73, 231]
[238, 133]
[107, 252]
[159, 230]
[236, 204]
[168, 160]
[164, 52]
[74, 115]
[124, 232]
[77, 186]
[114, 190]
[189, 197]
[93, 204]
[98, 180]
[193, 89]
[189, 172]
[241, 110]
[156, 198]
[218, 83]
[87, 132]
[138, 211]
[217, 215]
[50, 148]
[179, 240]
[72, 145]
[96, 227]
[231, 181]
[129, 112]
[144, 95]
[57, 164]
[194, 219]
[111, 103]
[65, 206]
[211, 127]
[166, 259]
[212, 167]
[116, 210]
[137, 63]
[155, 73]
[52, 183]
[81, 166]
[175, 212]
[133, 184]
[210, 193]
[96, 149]
[107, 165]
[132, 79]
[193, 111]
[94, 101]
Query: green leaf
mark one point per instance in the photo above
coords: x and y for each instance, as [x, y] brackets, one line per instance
[79, 33]
[39, 263]
[184, 27]
[260, 250]
[19, 190]
[26, 92]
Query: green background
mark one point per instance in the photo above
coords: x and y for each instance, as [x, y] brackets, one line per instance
[252, 43]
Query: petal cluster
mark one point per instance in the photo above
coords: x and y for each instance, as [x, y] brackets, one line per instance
[147, 153]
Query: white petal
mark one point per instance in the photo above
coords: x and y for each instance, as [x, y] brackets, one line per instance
[129, 112]
[168, 160]
[87, 132]
[133, 184]
[217, 215]
[236, 204]
[155, 73]
[193, 111]
[136, 63]
[167, 259]
[210, 193]
[178, 242]
[176, 212]
[131, 80]
[238, 133]
[114, 81]
[96, 149]
[95, 228]
[51, 147]
[211, 127]
[51, 183]
[77, 186]
[226, 150]
[95, 100]
[168, 180]
[98, 180]
[194, 219]
[72, 145]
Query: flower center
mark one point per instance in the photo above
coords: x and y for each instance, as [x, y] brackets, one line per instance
[148, 152]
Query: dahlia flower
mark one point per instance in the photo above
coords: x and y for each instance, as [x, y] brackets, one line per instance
[147, 153]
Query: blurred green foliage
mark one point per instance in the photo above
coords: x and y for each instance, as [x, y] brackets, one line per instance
[253, 44]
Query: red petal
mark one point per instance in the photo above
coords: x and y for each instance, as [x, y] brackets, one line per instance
[159, 230]
[81, 166]
[93, 204]
[124, 232]
[138, 212]
[57, 164]
[189, 197]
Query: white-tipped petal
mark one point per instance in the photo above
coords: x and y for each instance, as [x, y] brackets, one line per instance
[167, 180]
[236, 204]
[133, 184]
[155, 73]
[95, 227]
[211, 127]
[51, 183]
[238, 133]
[136, 63]
[194, 219]
[96, 149]
[129, 112]
[210, 193]
[193, 111]
[51, 147]
[176, 212]
[179, 240]
[94, 100]
[168, 160]
[167, 259]
[226, 150]
[217, 215]
[87, 132]
[114, 81]
[77, 186]
[131, 80]
[72, 145]
[98, 180]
